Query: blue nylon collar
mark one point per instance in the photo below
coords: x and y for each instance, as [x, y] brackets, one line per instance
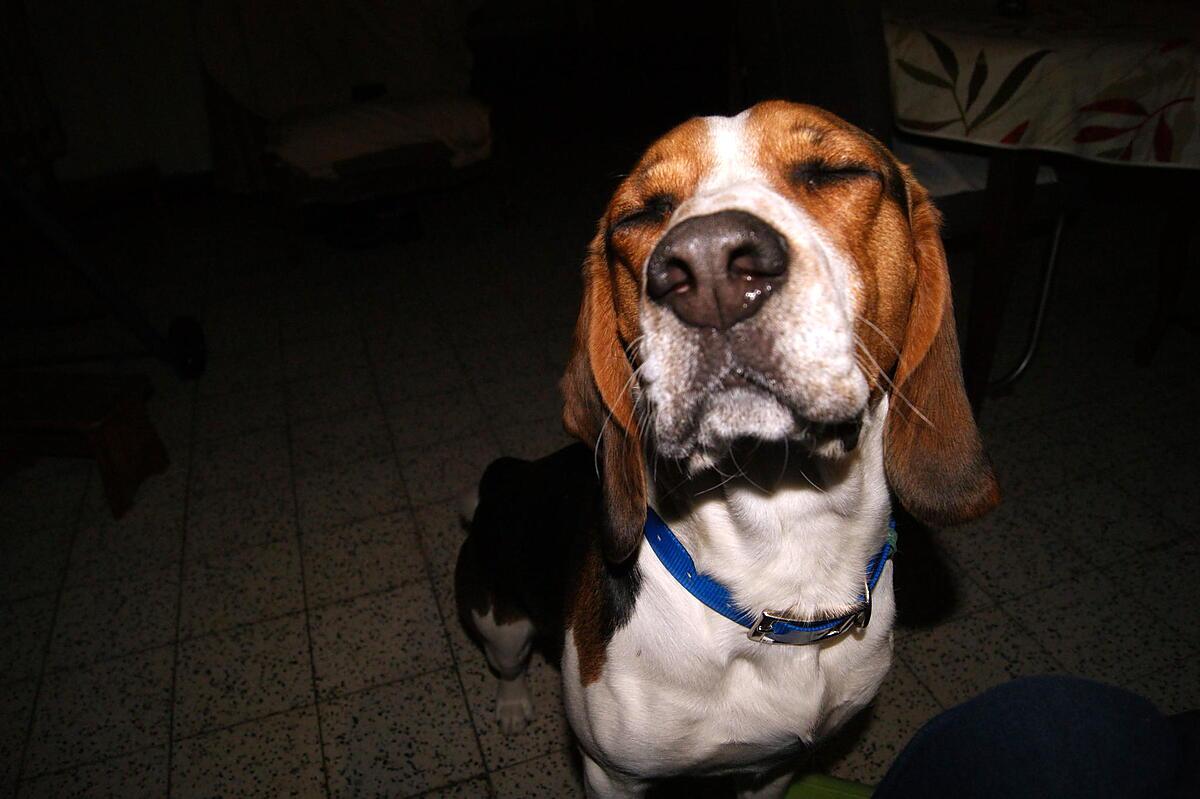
[767, 627]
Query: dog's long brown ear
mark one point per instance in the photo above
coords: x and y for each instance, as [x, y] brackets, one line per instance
[598, 404]
[934, 457]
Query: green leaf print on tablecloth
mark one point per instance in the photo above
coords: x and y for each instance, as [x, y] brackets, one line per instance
[979, 76]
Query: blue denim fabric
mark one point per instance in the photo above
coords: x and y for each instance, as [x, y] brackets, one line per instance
[1060, 737]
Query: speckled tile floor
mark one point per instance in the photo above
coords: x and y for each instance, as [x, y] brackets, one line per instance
[275, 617]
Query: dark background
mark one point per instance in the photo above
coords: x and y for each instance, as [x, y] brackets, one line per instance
[372, 346]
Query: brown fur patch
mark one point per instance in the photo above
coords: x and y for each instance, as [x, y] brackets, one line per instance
[584, 614]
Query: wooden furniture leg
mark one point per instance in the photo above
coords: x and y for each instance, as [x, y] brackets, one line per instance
[1011, 179]
[1173, 266]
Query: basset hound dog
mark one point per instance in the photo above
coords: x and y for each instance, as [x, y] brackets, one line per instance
[764, 357]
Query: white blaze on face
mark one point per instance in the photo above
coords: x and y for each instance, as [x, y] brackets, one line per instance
[809, 323]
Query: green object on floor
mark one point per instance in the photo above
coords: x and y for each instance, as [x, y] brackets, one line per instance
[818, 786]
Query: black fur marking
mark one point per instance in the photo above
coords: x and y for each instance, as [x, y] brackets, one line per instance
[535, 532]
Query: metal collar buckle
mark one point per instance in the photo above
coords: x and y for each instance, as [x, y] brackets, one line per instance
[809, 632]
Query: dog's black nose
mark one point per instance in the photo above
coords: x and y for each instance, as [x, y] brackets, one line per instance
[716, 270]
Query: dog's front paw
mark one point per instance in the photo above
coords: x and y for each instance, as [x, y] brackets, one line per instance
[514, 705]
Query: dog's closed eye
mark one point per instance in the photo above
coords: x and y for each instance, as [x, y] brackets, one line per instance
[654, 210]
[818, 174]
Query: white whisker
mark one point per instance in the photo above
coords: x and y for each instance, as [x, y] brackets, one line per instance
[783, 471]
[743, 471]
[879, 332]
[893, 389]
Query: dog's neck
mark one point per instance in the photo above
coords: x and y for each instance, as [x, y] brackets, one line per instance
[786, 531]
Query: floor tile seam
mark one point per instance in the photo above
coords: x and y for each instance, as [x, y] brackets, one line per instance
[409, 449]
[259, 487]
[339, 697]
[246, 548]
[377, 592]
[241, 351]
[1081, 553]
[306, 420]
[1033, 417]
[1154, 510]
[216, 394]
[512, 427]
[914, 666]
[346, 413]
[28, 678]
[42, 528]
[41, 677]
[391, 408]
[995, 603]
[567, 750]
[248, 431]
[442, 500]
[361, 457]
[242, 391]
[88, 664]
[480, 405]
[243, 722]
[15, 599]
[1181, 534]
[1113, 567]
[1079, 474]
[461, 781]
[920, 681]
[1057, 489]
[1112, 396]
[218, 439]
[209, 634]
[288, 382]
[1157, 668]
[1037, 639]
[132, 574]
[333, 331]
[406, 448]
[312, 660]
[1153, 550]
[427, 562]
[58, 770]
[238, 628]
[182, 574]
[906, 632]
[236, 549]
[231, 437]
[1089, 567]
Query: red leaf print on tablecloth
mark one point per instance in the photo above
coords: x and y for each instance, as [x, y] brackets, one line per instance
[1100, 133]
[1117, 105]
[1163, 140]
[1014, 135]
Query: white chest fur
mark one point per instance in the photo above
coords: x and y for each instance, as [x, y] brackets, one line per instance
[684, 689]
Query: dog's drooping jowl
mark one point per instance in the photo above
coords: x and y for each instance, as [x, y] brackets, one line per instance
[765, 359]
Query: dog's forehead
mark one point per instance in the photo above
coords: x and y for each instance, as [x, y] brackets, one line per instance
[733, 154]
[708, 152]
